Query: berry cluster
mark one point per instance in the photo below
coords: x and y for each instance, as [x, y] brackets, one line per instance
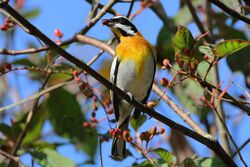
[148, 135]
[84, 86]
[125, 135]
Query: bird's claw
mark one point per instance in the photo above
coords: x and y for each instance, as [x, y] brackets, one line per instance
[131, 96]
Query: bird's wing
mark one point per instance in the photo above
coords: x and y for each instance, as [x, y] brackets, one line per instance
[137, 112]
[113, 77]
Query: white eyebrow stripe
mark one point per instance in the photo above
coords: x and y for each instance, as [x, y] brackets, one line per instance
[125, 28]
[116, 17]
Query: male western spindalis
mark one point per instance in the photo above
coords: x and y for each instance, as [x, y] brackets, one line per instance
[132, 70]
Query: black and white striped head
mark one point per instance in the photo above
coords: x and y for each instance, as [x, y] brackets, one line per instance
[120, 26]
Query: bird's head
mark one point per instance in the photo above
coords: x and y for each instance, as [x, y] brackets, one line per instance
[120, 26]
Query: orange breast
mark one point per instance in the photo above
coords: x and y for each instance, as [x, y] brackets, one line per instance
[135, 48]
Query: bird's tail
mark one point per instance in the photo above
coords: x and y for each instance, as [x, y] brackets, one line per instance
[119, 145]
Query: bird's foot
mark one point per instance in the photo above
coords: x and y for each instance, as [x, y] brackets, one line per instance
[131, 96]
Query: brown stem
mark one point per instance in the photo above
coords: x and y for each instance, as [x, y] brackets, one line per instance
[241, 147]
[11, 157]
[144, 153]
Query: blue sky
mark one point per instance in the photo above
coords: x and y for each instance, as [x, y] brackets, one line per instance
[70, 17]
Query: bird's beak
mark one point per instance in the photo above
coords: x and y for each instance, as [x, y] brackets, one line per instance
[107, 22]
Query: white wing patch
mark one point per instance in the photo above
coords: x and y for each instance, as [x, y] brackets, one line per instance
[112, 70]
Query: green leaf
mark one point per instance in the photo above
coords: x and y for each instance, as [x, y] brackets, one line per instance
[3, 164]
[51, 158]
[58, 78]
[184, 16]
[207, 50]
[31, 14]
[25, 62]
[166, 156]
[137, 123]
[228, 47]
[202, 162]
[184, 43]
[239, 62]
[66, 118]
[188, 162]
[190, 98]
[36, 125]
[11, 132]
[209, 162]
[183, 39]
[145, 164]
[164, 45]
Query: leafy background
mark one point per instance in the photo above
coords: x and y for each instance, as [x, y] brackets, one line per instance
[57, 137]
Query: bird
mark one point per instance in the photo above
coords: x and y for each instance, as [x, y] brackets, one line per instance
[132, 70]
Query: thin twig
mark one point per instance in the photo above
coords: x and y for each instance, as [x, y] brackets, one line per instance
[130, 8]
[179, 111]
[100, 6]
[197, 20]
[241, 147]
[230, 136]
[144, 153]
[89, 40]
[11, 157]
[100, 149]
[43, 92]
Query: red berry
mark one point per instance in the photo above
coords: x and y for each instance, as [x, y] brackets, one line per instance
[111, 132]
[165, 62]
[86, 124]
[164, 81]
[142, 136]
[129, 139]
[93, 119]
[3, 28]
[110, 111]
[58, 42]
[58, 33]
[161, 131]
[153, 130]
[8, 66]
[125, 134]
[242, 97]
[186, 51]
[206, 57]
[77, 79]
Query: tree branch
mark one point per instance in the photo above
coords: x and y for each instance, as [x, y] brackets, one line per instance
[230, 11]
